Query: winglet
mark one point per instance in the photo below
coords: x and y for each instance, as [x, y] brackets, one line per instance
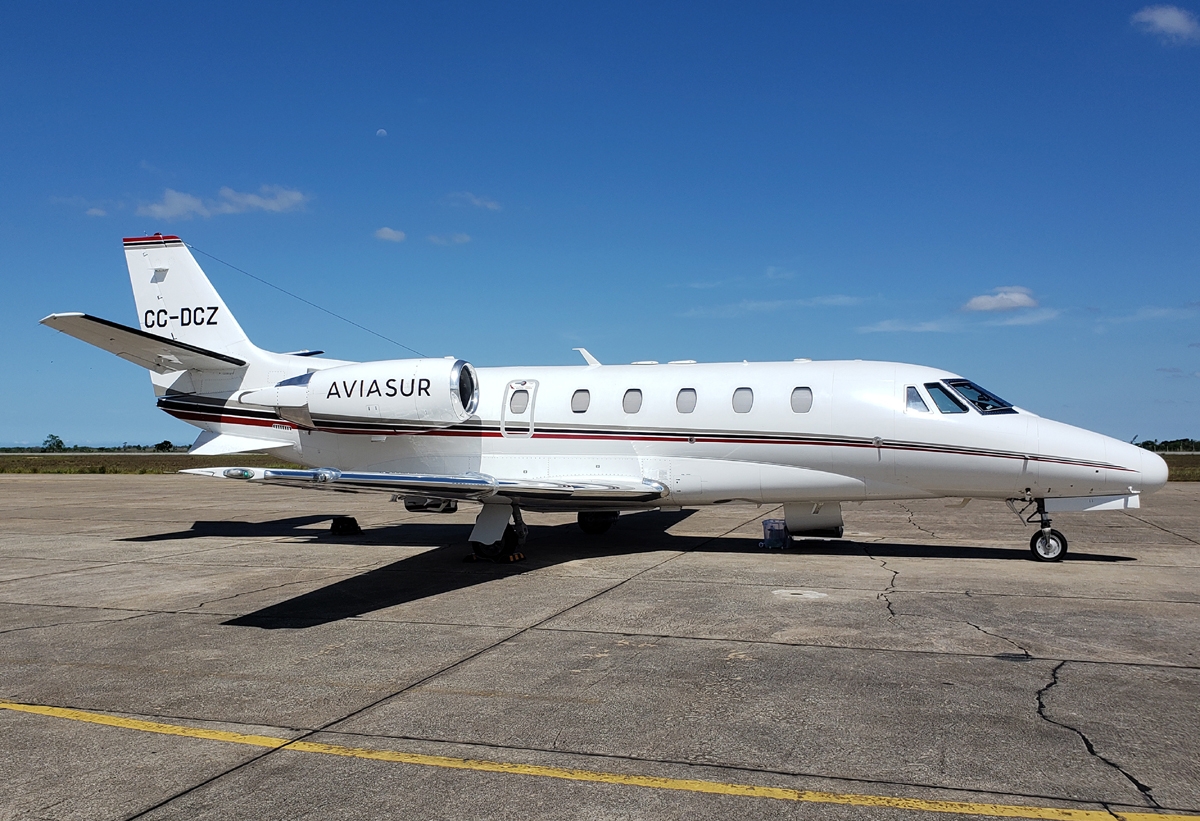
[592, 361]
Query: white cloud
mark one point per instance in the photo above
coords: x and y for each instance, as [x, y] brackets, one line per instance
[1173, 24]
[390, 234]
[1004, 298]
[1029, 317]
[467, 198]
[1146, 314]
[270, 198]
[901, 326]
[176, 205]
[96, 212]
[449, 239]
[751, 306]
[1177, 373]
[779, 273]
[704, 285]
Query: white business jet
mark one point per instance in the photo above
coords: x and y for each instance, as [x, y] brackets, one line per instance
[600, 439]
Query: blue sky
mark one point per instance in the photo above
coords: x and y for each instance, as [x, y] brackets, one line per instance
[1008, 190]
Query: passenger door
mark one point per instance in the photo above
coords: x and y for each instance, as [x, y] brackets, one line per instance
[516, 416]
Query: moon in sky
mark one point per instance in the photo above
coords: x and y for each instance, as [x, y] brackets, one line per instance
[381, 133]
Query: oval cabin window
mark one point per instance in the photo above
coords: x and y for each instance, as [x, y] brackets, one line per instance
[632, 403]
[580, 401]
[519, 401]
[685, 401]
[801, 400]
[743, 400]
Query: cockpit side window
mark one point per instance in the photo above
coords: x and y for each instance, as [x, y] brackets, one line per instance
[913, 400]
[944, 400]
[984, 401]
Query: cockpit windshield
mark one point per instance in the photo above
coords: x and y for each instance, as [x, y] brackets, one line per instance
[983, 401]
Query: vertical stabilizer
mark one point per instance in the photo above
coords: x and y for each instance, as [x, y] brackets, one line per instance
[175, 299]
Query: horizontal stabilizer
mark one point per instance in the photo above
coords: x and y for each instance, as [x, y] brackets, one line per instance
[154, 353]
[466, 486]
[217, 444]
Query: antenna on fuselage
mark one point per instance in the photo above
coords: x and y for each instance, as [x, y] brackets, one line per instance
[592, 361]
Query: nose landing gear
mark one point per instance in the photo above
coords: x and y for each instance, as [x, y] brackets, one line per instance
[1047, 544]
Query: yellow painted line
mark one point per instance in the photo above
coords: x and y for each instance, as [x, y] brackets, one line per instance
[599, 777]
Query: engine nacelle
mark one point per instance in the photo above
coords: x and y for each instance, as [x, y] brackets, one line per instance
[410, 395]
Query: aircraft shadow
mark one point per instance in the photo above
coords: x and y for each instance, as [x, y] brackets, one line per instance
[444, 569]
[845, 547]
[295, 526]
[448, 568]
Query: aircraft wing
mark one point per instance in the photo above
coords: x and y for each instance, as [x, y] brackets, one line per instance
[467, 486]
[155, 353]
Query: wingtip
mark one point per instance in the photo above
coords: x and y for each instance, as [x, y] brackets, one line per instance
[47, 319]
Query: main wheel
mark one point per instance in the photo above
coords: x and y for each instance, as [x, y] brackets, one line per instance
[596, 522]
[344, 526]
[504, 550]
[1050, 548]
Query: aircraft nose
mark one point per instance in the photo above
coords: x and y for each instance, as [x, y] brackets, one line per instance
[1154, 471]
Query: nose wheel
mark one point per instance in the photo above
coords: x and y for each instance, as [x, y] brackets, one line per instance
[1048, 545]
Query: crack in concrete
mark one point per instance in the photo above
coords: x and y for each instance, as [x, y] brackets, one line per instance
[885, 597]
[1145, 790]
[913, 522]
[885, 594]
[72, 624]
[986, 632]
[204, 604]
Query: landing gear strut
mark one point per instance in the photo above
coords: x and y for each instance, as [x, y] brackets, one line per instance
[1047, 544]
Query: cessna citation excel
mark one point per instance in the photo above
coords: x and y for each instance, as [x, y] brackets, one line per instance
[600, 439]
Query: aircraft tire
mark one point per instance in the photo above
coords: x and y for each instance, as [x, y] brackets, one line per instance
[505, 550]
[344, 526]
[596, 523]
[1048, 550]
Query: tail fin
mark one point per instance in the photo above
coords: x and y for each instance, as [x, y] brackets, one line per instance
[175, 299]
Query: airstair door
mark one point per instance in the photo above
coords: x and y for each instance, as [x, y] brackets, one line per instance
[516, 417]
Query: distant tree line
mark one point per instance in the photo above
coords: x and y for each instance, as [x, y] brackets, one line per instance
[1185, 445]
[54, 444]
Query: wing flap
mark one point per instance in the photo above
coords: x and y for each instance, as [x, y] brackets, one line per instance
[466, 486]
[155, 353]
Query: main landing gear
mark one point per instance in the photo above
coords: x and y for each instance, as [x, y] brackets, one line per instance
[1047, 544]
[495, 538]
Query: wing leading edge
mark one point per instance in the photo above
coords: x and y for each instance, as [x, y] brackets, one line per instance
[474, 487]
